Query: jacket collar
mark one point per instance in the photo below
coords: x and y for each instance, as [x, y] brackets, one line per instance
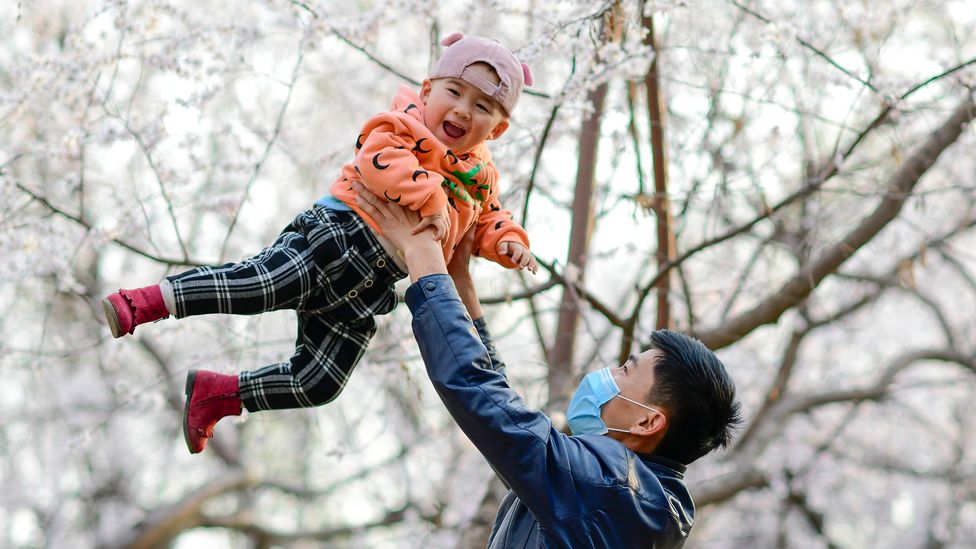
[678, 467]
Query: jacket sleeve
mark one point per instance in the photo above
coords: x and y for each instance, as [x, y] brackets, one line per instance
[495, 225]
[388, 168]
[521, 445]
[494, 359]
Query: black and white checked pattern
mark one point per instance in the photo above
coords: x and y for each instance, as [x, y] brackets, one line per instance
[327, 266]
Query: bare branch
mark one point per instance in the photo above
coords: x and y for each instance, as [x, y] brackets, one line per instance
[144, 147]
[526, 293]
[880, 388]
[817, 51]
[164, 524]
[246, 522]
[537, 161]
[87, 226]
[598, 305]
[175, 399]
[804, 282]
[279, 122]
[719, 490]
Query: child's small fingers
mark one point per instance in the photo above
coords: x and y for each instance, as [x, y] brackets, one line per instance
[420, 227]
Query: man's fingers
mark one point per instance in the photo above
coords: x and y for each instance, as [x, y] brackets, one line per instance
[369, 202]
[440, 231]
[367, 207]
[365, 193]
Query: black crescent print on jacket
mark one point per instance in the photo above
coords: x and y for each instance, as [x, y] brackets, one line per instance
[410, 106]
[417, 147]
[390, 198]
[359, 142]
[376, 162]
[419, 173]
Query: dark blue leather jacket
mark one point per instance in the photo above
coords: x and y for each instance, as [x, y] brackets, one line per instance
[565, 491]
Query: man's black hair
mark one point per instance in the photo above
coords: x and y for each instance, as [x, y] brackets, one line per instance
[691, 383]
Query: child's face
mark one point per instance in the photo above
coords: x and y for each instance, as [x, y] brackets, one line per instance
[461, 115]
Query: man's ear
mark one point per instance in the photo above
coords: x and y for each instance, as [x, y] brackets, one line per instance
[651, 424]
[425, 91]
[498, 130]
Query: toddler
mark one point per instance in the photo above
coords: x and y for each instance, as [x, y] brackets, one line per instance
[332, 264]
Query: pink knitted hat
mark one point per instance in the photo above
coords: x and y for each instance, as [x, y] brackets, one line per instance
[463, 51]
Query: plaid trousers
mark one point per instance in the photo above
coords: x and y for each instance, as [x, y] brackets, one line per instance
[328, 266]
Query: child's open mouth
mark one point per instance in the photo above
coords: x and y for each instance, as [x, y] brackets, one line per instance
[453, 130]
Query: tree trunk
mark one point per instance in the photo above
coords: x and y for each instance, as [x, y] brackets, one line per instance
[656, 110]
[561, 360]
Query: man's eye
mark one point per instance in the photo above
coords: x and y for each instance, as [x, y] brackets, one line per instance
[624, 366]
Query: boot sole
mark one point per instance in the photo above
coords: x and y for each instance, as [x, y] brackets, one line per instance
[112, 318]
[188, 390]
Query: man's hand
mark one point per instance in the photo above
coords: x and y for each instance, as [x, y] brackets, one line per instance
[458, 269]
[519, 254]
[421, 252]
[439, 221]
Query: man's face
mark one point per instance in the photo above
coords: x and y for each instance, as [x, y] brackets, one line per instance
[461, 115]
[635, 377]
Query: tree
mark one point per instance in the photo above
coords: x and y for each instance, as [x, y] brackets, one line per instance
[813, 223]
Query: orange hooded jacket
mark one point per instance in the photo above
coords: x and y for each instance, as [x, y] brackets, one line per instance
[399, 158]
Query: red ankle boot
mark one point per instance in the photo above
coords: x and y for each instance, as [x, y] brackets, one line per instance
[126, 309]
[209, 397]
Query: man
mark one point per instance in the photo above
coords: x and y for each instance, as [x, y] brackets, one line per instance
[617, 482]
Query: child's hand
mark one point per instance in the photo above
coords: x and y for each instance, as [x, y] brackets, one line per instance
[439, 221]
[519, 254]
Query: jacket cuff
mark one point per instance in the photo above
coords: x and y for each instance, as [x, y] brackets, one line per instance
[427, 288]
[481, 325]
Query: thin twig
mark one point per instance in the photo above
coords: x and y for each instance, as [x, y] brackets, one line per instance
[80, 221]
[267, 149]
[817, 51]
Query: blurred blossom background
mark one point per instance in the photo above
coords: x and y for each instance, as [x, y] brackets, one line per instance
[792, 182]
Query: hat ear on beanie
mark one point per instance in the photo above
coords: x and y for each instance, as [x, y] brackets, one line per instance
[452, 39]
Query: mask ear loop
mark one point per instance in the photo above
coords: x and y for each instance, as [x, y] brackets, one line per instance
[651, 408]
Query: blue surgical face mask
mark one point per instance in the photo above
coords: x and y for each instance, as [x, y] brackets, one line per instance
[595, 390]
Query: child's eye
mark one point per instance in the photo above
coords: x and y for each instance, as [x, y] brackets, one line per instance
[454, 92]
[482, 108]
